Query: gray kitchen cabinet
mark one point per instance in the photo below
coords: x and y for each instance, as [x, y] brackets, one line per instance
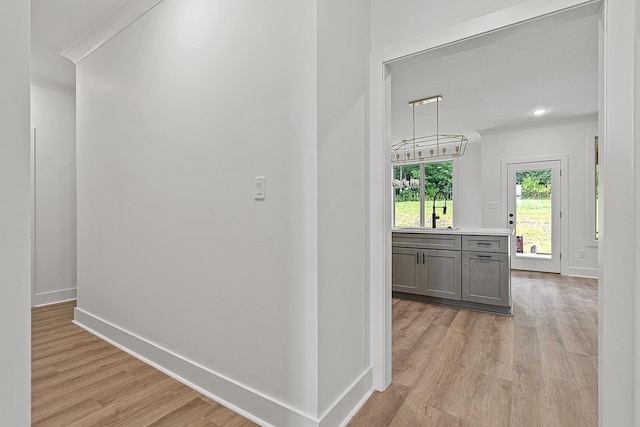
[441, 274]
[486, 278]
[406, 270]
[428, 272]
[463, 270]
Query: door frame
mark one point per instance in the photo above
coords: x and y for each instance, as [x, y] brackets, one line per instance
[564, 196]
[32, 195]
[378, 158]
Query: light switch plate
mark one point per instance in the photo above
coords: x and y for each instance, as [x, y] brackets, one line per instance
[260, 188]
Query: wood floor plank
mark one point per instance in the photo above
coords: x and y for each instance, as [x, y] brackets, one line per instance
[85, 376]
[81, 409]
[382, 407]
[53, 402]
[411, 415]
[222, 416]
[585, 369]
[490, 392]
[526, 400]
[185, 415]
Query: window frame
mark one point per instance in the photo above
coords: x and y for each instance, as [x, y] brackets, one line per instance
[423, 213]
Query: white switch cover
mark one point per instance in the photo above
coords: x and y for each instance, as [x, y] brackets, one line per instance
[493, 205]
[260, 190]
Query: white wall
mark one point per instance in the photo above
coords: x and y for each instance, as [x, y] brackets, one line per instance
[15, 222]
[343, 61]
[567, 139]
[176, 116]
[53, 117]
[395, 22]
[469, 187]
[176, 260]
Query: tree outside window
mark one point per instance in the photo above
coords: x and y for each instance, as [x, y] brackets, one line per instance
[433, 177]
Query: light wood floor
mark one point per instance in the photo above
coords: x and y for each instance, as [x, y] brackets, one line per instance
[451, 367]
[459, 368]
[81, 380]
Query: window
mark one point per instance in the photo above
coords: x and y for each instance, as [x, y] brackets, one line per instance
[420, 188]
[407, 184]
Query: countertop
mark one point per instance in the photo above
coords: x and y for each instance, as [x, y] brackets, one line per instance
[465, 231]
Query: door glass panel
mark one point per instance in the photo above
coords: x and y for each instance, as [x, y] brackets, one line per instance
[533, 213]
[406, 188]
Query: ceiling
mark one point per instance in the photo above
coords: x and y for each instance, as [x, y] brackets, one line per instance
[492, 83]
[55, 25]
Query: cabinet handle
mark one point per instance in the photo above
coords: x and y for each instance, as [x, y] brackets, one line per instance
[484, 256]
[483, 244]
[417, 258]
[423, 257]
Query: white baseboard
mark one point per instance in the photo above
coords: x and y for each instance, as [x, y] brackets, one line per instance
[589, 273]
[350, 402]
[249, 403]
[55, 297]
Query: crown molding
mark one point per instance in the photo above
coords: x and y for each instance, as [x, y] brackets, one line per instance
[117, 20]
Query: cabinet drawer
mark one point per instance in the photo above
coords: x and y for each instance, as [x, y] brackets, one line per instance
[426, 241]
[486, 243]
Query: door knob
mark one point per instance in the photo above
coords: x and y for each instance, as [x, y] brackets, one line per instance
[510, 215]
[510, 222]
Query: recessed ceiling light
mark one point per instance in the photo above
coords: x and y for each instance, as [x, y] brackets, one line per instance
[539, 111]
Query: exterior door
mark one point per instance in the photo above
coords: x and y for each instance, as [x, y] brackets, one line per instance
[533, 211]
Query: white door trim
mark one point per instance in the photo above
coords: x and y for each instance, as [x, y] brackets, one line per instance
[33, 216]
[564, 196]
[379, 174]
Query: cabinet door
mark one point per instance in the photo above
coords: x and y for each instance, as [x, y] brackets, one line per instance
[405, 270]
[486, 278]
[441, 274]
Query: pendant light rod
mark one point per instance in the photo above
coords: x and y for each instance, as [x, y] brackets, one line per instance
[426, 100]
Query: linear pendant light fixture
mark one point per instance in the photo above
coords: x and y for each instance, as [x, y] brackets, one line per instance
[426, 148]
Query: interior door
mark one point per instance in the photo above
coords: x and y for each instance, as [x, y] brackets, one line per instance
[533, 211]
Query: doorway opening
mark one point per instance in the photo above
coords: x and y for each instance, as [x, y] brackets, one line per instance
[478, 205]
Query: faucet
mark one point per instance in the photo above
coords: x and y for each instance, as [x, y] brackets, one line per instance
[444, 208]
